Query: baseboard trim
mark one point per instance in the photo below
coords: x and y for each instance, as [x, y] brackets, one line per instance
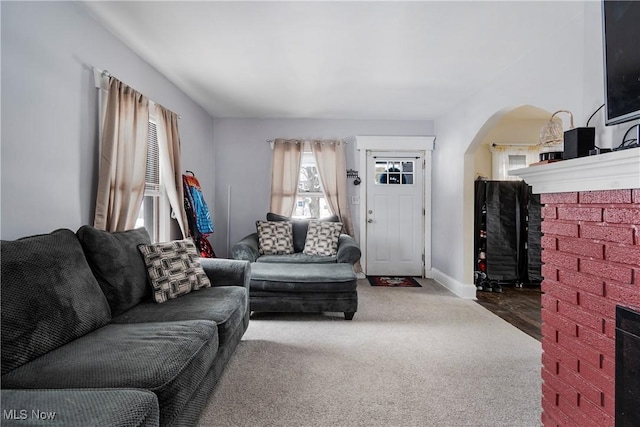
[467, 291]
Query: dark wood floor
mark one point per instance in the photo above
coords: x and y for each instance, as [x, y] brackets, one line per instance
[519, 306]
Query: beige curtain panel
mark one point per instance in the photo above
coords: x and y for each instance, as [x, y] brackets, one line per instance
[285, 174]
[123, 158]
[332, 166]
[170, 163]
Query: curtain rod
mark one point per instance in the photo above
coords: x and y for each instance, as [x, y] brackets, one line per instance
[107, 74]
[523, 145]
[272, 142]
[344, 141]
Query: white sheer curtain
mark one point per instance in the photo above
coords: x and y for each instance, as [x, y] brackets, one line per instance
[170, 163]
[123, 158]
[285, 174]
[508, 157]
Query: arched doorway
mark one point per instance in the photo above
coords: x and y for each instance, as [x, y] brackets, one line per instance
[510, 127]
[516, 124]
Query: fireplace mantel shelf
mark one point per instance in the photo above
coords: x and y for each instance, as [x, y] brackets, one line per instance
[617, 170]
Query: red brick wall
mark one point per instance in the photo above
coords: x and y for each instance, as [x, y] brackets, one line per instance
[591, 256]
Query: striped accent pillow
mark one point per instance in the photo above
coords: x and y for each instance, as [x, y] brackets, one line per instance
[174, 269]
[322, 238]
[275, 237]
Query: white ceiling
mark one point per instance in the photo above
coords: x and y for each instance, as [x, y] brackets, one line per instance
[351, 60]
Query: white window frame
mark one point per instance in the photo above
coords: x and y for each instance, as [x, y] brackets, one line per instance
[387, 174]
[308, 158]
[160, 230]
[150, 206]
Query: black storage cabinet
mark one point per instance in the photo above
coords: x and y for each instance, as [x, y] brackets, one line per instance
[507, 230]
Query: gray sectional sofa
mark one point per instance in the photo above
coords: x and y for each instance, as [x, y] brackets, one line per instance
[83, 338]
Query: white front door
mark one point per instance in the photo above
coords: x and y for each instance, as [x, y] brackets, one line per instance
[395, 213]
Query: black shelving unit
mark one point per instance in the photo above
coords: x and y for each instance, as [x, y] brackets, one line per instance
[507, 235]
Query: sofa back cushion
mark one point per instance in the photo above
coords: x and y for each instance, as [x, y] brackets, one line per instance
[49, 296]
[300, 227]
[118, 265]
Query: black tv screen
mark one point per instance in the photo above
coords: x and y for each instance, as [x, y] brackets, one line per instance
[621, 28]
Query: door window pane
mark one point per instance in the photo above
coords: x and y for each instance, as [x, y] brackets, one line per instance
[394, 172]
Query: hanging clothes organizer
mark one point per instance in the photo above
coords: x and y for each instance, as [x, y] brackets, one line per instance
[198, 217]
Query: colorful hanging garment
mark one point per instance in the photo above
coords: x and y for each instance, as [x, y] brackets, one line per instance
[198, 217]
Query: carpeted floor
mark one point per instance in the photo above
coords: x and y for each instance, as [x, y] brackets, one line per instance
[410, 357]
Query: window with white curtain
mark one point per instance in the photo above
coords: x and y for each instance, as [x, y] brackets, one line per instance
[154, 214]
[516, 161]
[510, 157]
[310, 200]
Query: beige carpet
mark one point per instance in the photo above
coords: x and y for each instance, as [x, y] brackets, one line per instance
[410, 357]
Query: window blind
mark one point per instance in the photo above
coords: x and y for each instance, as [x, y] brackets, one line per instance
[152, 174]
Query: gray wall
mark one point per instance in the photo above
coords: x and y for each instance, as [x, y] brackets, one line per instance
[243, 164]
[49, 127]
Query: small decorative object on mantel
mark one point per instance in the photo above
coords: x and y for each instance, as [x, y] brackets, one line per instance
[558, 145]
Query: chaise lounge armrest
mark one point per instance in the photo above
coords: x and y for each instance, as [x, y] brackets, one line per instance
[246, 249]
[348, 250]
[227, 272]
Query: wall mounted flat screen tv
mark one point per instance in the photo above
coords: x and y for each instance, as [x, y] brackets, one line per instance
[621, 30]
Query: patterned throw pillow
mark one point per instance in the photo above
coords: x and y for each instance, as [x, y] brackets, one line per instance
[322, 238]
[300, 227]
[174, 269]
[275, 237]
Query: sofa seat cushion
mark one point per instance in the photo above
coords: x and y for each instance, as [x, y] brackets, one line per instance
[49, 296]
[302, 278]
[168, 358]
[82, 407]
[225, 305]
[297, 258]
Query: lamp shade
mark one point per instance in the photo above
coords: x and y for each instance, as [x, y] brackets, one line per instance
[552, 134]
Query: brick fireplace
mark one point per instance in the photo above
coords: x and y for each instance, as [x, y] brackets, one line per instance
[591, 264]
